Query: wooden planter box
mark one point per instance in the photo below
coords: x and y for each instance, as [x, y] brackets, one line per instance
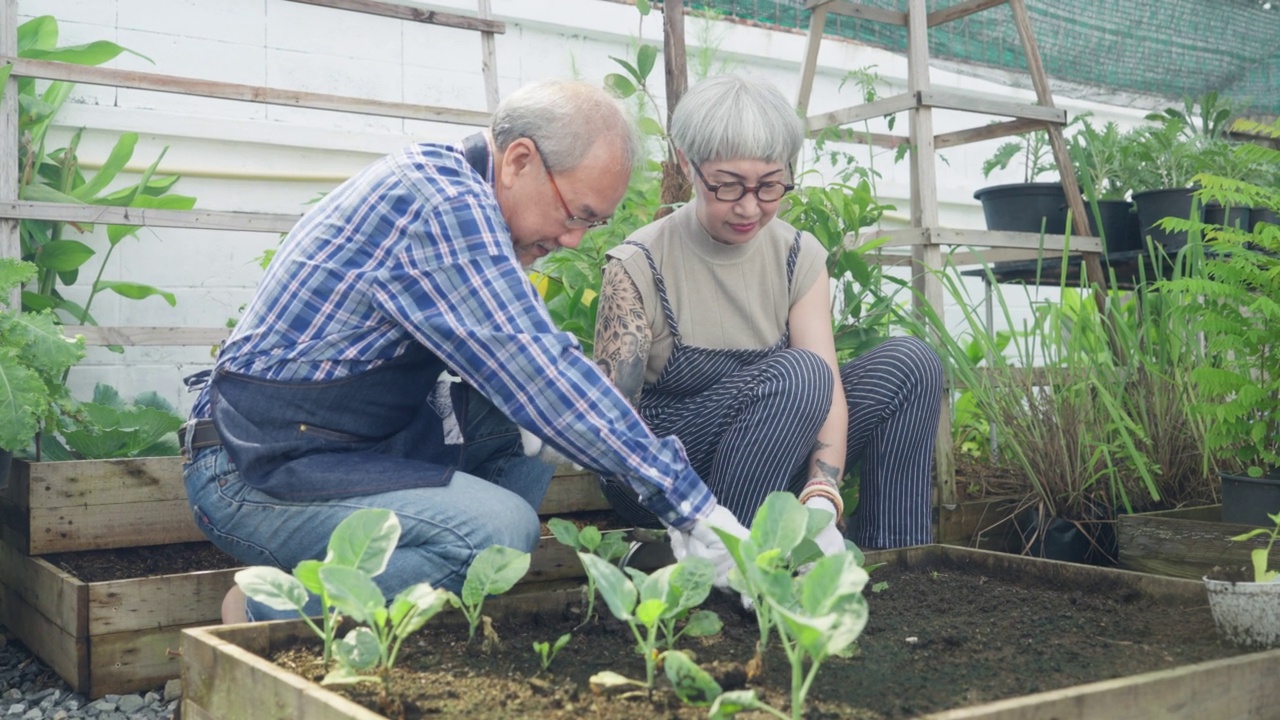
[978, 524]
[1185, 543]
[122, 636]
[225, 675]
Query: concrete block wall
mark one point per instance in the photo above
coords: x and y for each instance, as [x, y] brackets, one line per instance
[249, 157]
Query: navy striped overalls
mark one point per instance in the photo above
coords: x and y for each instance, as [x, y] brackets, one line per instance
[748, 419]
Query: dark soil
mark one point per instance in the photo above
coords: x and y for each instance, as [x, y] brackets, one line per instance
[139, 562]
[938, 638]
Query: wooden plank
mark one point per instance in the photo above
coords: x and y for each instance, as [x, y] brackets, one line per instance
[809, 67]
[416, 14]
[122, 606]
[866, 111]
[59, 596]
[675, 61]
[1008, 239]
[10, 237]
[850, 135]
[858, 10]
[137, 336]
[149, 217]
[488, 59]
[964, 523]
[245, 93]
[573, 491]
[553, 560]
[63, 652]
[961, 9]
[969, 103]
[1237, 687]
[1181, 548]
[138, 661]
[986, 132]
[115, 525]
[83, 482]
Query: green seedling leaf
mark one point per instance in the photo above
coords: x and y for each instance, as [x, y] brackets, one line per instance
[643, 6]
[690, 583]
[609, 682]
[63, 255]
[620, 86]
[564, 531]
[94, 53]
[880, 586]
[645, 58]
[733, 702]
[1251, 534]
[631, 69]
[119, 157]
[359, 650]
[272, 587]
[703, 623]
[648, 612]
[494, 571]
[343, 675]
[364, 540]
[40, 33]
[136, 291]
[780, 523]
[308, 573]
[612, 546]
[651, 127]
[590, 538]
[692, 684]
[830, 583]
[415, 605]
[618, 592]
[353, 592]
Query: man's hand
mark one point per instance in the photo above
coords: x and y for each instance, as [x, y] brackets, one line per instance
[533, 445]
[829, 539]
[701, 541]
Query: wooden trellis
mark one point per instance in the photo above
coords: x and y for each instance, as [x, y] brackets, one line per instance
[13, 209]
[925, 238]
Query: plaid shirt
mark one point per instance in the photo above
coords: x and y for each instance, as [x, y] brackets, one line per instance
[415, 250]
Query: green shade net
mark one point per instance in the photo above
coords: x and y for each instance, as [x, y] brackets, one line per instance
[1167, 48]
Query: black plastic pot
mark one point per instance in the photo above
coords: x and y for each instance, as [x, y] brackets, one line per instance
[1247, 500]
[1089, 542]
[1116, 221]
[1155, 205]
[1237, 217]
[1024, 207]
[6, 460]
[1257, 215]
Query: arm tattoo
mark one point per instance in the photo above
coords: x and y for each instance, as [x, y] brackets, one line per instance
[829, 471]
[623, 337]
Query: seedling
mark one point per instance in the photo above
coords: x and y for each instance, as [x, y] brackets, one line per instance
[648, 602]
[817, 614]
[610, 546]
[547, 651]
[1261, 573]
[494, 571]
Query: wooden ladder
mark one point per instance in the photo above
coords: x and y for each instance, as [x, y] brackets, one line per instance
[925, 238]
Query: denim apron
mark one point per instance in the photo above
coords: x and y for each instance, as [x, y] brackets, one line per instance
[372, 432]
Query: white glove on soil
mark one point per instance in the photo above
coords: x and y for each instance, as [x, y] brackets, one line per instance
[701, 541]
[829, 539]
[533, 445]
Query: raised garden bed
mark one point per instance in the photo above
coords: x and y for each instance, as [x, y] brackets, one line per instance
[961, 633]
[1184, 543]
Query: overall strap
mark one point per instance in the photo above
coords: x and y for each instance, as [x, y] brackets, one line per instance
[791, 259]
[662, 291]
[476, 149]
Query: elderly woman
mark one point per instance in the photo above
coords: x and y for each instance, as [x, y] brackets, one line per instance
[715, 322]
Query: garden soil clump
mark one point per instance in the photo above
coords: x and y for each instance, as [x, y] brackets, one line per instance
[937, 639]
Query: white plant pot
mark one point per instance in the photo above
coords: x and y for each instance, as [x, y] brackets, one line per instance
[1246, 613]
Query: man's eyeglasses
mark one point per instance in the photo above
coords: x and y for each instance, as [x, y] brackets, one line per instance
[770, 191]
[571, 221]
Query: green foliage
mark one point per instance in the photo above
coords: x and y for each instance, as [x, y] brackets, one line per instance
[109, 427]
[359, 550]
[816, 615]
[547, 651]
[494, 571]
[1104, 160]
[650, 604]
[1259, 556]
[610, 546]
[34, 357]
[1032, 147]
[55, 176]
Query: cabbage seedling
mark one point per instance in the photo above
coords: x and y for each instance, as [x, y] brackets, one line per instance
[494, 571]
[547, 651]
[609, 546]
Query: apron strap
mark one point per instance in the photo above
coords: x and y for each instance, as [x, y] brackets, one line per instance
[662, 292]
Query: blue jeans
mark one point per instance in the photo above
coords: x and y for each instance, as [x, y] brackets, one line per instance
[491, 500]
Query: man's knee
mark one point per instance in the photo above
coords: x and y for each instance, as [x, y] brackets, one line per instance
[516, 527]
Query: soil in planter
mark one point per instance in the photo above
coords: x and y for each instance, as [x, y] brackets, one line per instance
[138, 562]
[937, 639]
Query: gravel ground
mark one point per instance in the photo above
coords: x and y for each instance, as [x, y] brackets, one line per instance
[31, 691]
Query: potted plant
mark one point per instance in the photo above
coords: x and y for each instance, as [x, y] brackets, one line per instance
[1028, 206]
[1248, 613]
[1104, 160]
[34, 356]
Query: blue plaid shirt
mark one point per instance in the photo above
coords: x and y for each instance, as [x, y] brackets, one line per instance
[415, 250]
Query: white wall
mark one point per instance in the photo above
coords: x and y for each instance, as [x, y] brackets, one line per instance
[249, 157]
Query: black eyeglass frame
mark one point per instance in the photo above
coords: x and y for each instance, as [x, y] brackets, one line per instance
[753, 189]
[571, 221]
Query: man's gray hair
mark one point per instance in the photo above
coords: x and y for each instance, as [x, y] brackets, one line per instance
[564, 118]
[729, 117]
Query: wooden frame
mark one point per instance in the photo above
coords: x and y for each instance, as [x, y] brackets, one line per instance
[1184, 543]
[225, 675]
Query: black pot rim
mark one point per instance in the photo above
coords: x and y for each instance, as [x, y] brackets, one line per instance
[1031, 188]
[1271, 478]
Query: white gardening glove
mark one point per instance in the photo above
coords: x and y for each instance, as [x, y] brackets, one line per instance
[533, 445]
[829, 539]
[701, 541]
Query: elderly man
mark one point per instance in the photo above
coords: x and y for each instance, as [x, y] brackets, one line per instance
[325, 399]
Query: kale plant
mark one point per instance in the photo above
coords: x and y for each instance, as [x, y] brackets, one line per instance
[494, 571]
[609, 546]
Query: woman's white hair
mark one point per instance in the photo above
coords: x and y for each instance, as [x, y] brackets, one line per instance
[564, 118]
[730, 117]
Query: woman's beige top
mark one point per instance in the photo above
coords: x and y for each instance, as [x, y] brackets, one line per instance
[723, 296]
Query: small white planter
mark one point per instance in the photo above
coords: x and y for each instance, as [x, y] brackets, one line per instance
[1246, 613]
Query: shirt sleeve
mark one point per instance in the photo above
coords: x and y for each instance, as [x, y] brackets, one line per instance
[457, 287]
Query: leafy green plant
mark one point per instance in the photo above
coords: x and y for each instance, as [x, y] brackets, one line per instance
[609, 546]
[1104, 159]
[109, 427]
[363, 541]
[547, 651]
[1032, 147]
[816, 615]
[1260, 556]
[649, 604]
[495, 570]
[34, 357]
[56, 176]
